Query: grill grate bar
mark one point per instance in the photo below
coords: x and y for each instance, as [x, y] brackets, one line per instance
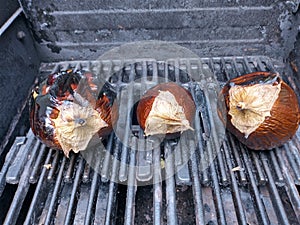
[216, 187]
[237, 68]
[21, 191]
[131, 187]
[223, 72]
[112, 187]
[124, 153]
[199, 135]
[197, 190]
[248, 68]
[157, 187]
[239, 162]
[235, 189]
[211, 95]
[262, 216]
[54, 165]
[260, 65]
[182, 175]
[86, 174]
[292, 162]
[92, 195]
[277, 200]
[8, 160]
[276, 167]
[144, 172]
[35, 170]
[288, 177]
[72, 201]
[101, 204]
[228, 70]
[170, 185]
[294, 148]
[33, 206]
[89, 158]
[105, 169]
[82, 203]
[69, 173]
[262, 180]
[107, 160]
[16, 167]
[181, 157]
[53, 201]
[78, 66]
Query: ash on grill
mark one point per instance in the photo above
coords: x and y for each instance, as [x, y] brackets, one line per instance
[240, 186]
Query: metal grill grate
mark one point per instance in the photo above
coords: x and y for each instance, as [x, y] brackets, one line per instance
[240, 186]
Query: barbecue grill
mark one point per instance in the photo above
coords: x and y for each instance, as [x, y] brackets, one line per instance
[204, 177]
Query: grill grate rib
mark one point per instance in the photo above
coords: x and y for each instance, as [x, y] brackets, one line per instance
[240, 186]
[33, 207]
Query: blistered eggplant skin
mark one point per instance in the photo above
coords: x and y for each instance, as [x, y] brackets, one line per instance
[58, 89]
[277, 128]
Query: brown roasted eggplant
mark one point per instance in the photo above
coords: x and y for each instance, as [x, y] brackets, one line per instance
[68, 108]
[166, 109]
[260, 109]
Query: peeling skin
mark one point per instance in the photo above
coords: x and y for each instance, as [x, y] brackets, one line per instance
[76, 125]
[250, 105]
[166, 116]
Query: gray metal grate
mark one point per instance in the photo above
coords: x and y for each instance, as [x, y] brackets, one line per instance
[239, 187]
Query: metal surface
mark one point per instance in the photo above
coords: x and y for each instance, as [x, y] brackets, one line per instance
[18, 58]
[11, 19]
[240, 186]
[85, 30]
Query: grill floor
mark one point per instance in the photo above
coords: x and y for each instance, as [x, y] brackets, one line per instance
[239, 187]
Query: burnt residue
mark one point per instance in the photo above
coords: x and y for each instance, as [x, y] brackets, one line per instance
[42, 24]
[54, 48]
[293, 66]
[287, 20]
[44, 17]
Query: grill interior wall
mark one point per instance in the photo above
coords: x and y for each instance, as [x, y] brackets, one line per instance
[85, 30]
[19, 68]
